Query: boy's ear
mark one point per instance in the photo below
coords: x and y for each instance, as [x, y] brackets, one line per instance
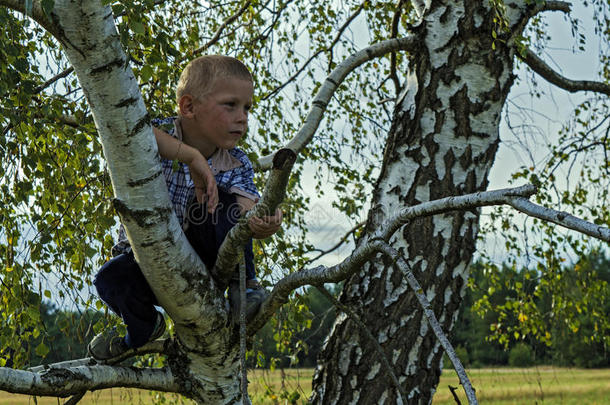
[186, 106]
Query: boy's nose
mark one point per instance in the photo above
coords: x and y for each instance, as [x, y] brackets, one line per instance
[242, 116]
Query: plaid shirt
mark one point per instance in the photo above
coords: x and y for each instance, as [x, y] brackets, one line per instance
[232, 170]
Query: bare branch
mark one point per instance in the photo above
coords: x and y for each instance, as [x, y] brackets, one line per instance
[362, 254]
[394, 34]
[369, 335]
[329, 87]
[75, 399]
[317, 275]
[564, 6]
[560, 218]
[455, 397]
[548, 73]
[341, 242]
[534, 8]
[52, 80]
[463, 202]
[273, 195]
[403, 266]
[157, 346]
[63, 382]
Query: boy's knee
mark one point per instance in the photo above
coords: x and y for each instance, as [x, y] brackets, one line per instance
[113, 272]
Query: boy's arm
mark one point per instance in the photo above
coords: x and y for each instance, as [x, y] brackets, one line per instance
[261, 227]
[171, 148]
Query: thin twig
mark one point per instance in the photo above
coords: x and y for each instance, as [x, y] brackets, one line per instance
[220, 29]
[341, 241]
[55, 78]
[394, 34]
[75, 399]
[455, 397]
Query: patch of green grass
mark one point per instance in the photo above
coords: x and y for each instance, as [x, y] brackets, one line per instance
[499, 386]
[536, 385]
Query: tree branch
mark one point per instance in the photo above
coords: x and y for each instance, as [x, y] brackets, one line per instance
[156, 346]
[332, 82]
[75, 399]
[55, 78]
[463, 202]
[63, 382]
[273, 195]
[314, 276]
[560, 218]
[362, 254]
[340, 31]
[341, 242]
[564, 6]
[403, 266]
[548, 73]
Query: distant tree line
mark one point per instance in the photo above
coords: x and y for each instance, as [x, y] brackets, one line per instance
[492, 328]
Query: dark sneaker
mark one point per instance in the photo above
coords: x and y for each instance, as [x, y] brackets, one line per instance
[254, 298]
[108, 344]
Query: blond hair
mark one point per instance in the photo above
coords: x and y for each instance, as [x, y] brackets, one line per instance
[198, 77]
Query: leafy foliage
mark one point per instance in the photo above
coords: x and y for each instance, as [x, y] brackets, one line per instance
[55, 208]
[562, 320]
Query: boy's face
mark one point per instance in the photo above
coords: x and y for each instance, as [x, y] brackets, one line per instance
[221, 118]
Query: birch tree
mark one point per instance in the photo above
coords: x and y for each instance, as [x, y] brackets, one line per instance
[445, 67]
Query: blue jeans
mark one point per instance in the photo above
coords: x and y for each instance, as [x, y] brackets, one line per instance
[122, 286]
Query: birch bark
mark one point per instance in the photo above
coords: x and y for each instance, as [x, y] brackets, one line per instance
[203, 360]
[442, 142]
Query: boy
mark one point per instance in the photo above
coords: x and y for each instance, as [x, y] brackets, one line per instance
[214, 95]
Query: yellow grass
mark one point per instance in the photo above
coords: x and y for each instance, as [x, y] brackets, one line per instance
[501, 386]
[536, 385]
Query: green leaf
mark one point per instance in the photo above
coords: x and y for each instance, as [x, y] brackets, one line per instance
[138, 27]
[42, 350]
[146, 73]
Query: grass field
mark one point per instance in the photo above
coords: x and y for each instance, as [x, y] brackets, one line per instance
[502, 386]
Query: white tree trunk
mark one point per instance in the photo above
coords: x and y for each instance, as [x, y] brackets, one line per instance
[443, 141]
[204, 358]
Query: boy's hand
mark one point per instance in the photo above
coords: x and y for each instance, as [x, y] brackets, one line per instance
[205, 183]
[266, 226]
